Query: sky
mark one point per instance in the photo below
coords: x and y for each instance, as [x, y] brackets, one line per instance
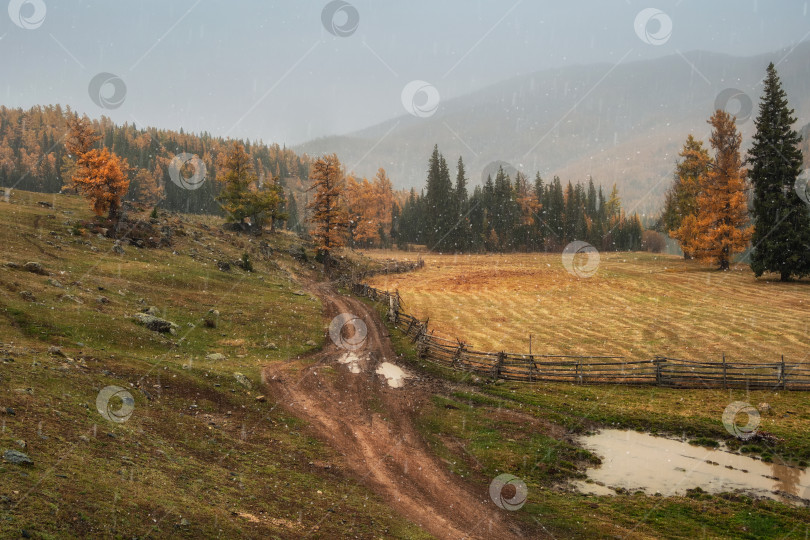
[290, 71]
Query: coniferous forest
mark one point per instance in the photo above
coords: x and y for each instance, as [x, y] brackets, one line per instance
[512, 214]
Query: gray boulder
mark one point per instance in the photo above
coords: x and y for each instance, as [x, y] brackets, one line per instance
[35, 268]
[15, 457]
[156, 324]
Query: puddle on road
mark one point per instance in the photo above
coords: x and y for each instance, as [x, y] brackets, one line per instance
[393, 374]
[638, 461]
[352, 360]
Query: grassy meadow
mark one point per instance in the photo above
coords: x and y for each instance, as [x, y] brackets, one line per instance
[636, 305]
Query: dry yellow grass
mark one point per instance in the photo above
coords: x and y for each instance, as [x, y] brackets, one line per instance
[637, 305]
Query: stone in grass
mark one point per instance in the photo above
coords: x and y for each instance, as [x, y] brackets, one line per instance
[35, 268]
[15, 457]
[28, 296]
[244, 381]
[215, 357]
[156, 324]
[311, 343]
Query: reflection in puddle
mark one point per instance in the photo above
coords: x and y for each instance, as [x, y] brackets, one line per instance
[638, 461]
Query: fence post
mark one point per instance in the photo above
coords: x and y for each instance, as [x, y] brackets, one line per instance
[657, 361]
[724, 371]
[499, 365]
[457, 355]
[783, 373]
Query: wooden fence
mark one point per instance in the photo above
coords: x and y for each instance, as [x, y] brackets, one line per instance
[659, 370]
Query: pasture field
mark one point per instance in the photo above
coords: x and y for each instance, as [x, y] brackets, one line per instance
[636, 305]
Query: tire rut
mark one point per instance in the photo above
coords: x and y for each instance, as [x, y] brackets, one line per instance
[371, 425]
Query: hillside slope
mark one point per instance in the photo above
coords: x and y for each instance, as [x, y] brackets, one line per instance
[202, 452]
[623, 123]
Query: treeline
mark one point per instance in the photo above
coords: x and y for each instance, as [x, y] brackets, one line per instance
[33, 157]
[720, 204]
[512, 214]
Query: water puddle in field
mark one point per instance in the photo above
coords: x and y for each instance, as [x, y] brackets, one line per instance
[351, 360]
[393, 374]
[638, 461]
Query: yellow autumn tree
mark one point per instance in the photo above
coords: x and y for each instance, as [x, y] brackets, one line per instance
[370, 209]
[147, 188]
[328, 214]
[720, 229]
[99, 175]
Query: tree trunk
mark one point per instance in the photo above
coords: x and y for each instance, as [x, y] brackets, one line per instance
[785, 276]
[687, 257]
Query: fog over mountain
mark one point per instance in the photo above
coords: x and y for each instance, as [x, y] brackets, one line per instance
[622, 123]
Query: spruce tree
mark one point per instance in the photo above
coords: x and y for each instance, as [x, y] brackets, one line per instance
[781, 219]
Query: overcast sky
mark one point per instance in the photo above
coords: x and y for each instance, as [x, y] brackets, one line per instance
[272, 70]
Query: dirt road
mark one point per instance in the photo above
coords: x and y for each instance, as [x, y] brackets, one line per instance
[371, 425]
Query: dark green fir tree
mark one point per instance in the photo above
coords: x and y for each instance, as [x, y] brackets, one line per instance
[781, 240]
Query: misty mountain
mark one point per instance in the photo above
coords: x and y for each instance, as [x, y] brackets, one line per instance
[622, 123]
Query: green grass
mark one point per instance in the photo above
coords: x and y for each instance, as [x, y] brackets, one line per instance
[200, 456]
[469, 429]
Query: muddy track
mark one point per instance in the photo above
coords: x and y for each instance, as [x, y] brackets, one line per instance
[371, 425]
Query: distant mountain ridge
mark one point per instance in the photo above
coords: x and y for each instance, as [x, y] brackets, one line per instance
[622, 123]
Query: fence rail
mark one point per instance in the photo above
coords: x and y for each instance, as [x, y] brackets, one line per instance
[659, 370]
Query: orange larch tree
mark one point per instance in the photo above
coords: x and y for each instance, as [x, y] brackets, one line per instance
[328, 214]
[100, 175]
[721, 227]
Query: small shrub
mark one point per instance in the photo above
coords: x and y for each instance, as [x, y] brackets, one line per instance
[246, 263]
